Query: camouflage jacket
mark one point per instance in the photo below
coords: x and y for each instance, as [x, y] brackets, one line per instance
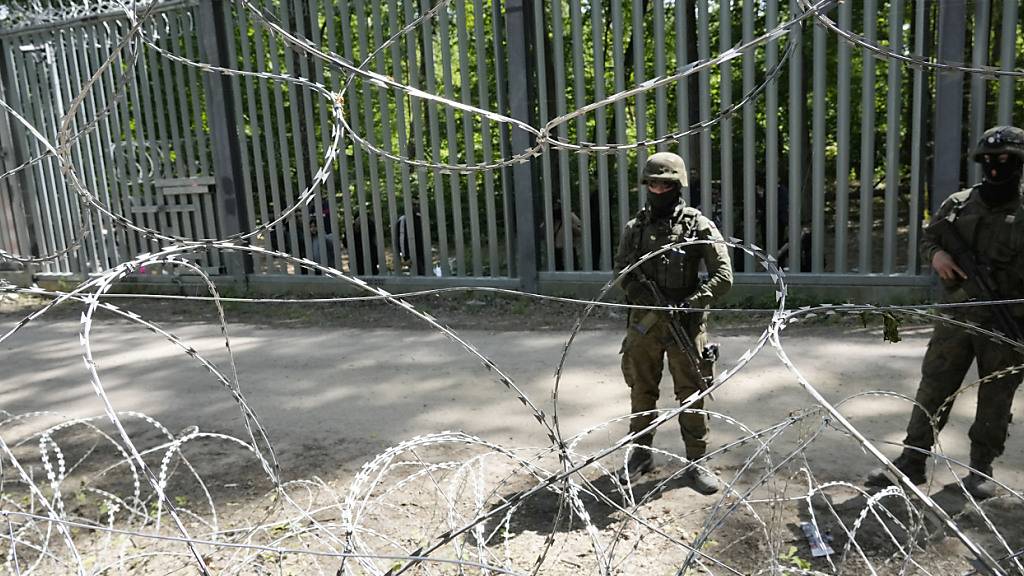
[675, 271]
[994, 233]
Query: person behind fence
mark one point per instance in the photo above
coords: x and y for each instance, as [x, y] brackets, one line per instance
[975, 243]
[671, 278]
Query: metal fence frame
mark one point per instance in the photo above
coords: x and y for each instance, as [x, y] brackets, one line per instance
[505, 226]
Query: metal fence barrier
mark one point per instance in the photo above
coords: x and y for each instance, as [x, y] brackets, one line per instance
[808, 145]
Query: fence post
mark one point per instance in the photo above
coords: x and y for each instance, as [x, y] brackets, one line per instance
[12, 154]
[232, 207]
[516, 24]
[949, 97]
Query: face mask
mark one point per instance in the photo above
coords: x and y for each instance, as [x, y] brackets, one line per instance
[664, 204]
[1001, 182]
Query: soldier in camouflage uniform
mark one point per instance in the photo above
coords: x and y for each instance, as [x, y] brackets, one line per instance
[666, 219]
[990, 219]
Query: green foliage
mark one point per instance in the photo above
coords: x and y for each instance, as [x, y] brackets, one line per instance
[790, 557]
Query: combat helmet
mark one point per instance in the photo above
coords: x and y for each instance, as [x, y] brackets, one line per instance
[666, 166]
[1000, 140]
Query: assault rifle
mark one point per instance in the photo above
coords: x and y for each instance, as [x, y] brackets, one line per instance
[979, 280]
[701, 362]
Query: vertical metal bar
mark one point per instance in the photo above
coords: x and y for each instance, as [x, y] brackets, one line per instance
[101, 134]
[522, 173]
[541, 56]
[290, 224]
[917, 136]
[621, 158]
[274, 208]
[1007, 60]
[313, 102]
[892, 139]
[468, 122]
[257, 126]
[867, 142]
[301, 125]
[239, 132]
[796, 128]
[639, 75]
[949, 96]
[726, 170]
[49, 100]
[353, 100]
[603, 199]
[660, 119]
[843, 140]
[660, 115]
[771, 178]
[326, 139]
[430, 79]
[22, 185]
[50, 114]
[180, 34]
[156, 90]
[682, 25]
[818, 152]
[403, 146]
[582, 161]
[167, 96]
[74, 41]
[565, 198]
[979, 84]
[454, 146]
[749, 132]
[416, 108]
[704, 89]
[485, 125]
[386, 137]
[11, 220]
[25, 94]
[146, 136]
[377, 226]
[508, 208]
[127, 151]
[508, 173]
[81, 152]
[343, 170]
[231, 200]
[195, 89]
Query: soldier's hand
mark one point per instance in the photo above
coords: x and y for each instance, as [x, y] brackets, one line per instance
[946, 267]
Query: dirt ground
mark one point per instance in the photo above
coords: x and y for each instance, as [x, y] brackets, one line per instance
[336, 385]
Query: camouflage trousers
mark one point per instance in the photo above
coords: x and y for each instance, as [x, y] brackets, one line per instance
[643, 358]
[950, 353]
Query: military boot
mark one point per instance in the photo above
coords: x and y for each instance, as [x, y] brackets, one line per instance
[640, 461]
[910, 463]
[979, 486]
[702, 481]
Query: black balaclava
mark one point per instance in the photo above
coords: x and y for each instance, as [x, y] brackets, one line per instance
[664, 204]
[1001, 182]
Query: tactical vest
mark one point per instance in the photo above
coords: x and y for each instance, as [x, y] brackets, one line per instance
[675, 271]
[997, 237]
